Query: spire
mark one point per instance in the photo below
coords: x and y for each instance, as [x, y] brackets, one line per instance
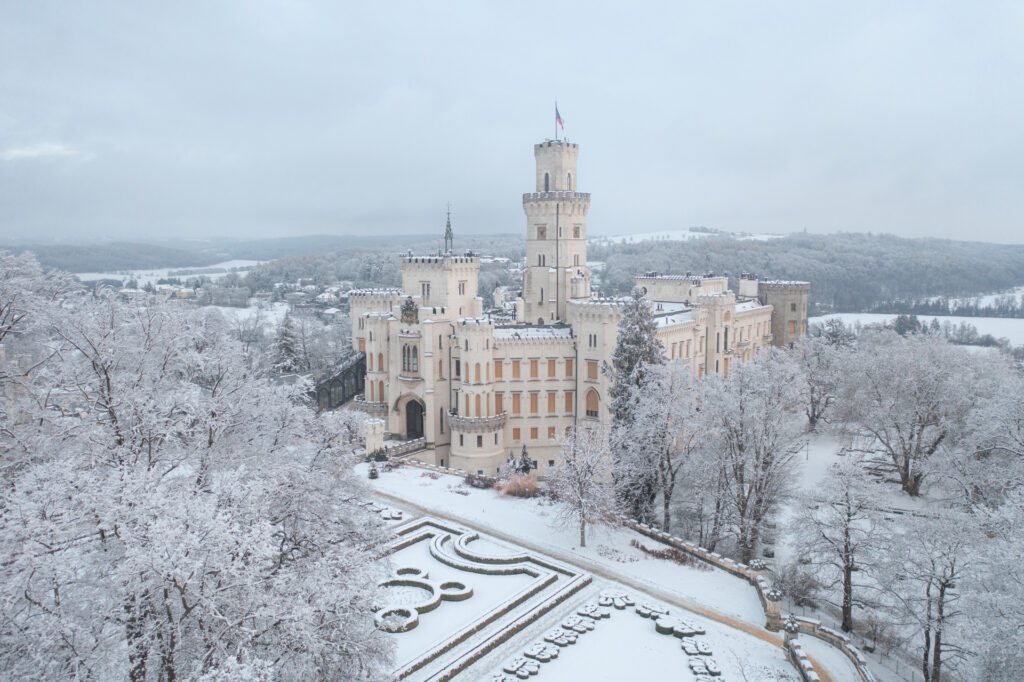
[448, 236]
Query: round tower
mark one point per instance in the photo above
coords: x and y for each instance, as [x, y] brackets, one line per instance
[556, 235]
[789, 317]
[476, 428]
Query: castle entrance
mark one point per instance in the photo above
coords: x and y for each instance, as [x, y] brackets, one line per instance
[413, 419]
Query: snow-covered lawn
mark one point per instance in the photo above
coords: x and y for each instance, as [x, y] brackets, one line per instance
[151, 275]
[999, 327]
[271, 315]
[534, 520]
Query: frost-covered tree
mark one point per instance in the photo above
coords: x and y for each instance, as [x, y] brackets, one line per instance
[820, 361]
[925, 570]
[907, 397]
[581, 481]
[834, 332]
[288, 348]
[169, 514]
[753, 430]
[667, 434]
[837, 532]
[636, 350]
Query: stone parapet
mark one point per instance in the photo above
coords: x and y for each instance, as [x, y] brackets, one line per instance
[477, 424]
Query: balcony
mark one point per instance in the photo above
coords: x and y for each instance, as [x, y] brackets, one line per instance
[477, 424]
[372, 409]
[556, 196]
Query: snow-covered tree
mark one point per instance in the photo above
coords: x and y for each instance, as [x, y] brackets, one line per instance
[753, 431]
[581, 481]
[636, 350]
[288, 348]
[167, 514]
[837, 531]
[820, 361]
[925, 569]
[667, 433]
[834, 332]
[908, 396]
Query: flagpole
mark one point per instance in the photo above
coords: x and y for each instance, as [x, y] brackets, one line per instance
[556, 119]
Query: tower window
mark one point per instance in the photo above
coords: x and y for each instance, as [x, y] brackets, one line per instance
[542, 232]
[547, 182]
[568, 181]
[576, 231]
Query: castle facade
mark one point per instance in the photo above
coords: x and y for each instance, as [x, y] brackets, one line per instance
[478, 387]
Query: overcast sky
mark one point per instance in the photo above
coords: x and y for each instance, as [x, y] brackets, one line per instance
[166, 119]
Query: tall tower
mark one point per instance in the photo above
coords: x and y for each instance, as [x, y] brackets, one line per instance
[556, 235]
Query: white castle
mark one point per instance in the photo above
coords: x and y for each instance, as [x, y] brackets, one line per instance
[477, 388]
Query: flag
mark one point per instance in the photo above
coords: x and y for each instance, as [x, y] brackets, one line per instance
[558, 118]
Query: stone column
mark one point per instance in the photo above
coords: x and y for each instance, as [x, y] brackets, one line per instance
[773, 618]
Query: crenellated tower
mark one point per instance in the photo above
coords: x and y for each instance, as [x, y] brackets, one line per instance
[556, 235]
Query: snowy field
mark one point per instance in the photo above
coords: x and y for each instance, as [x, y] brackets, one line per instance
[151, 275]
[999, 327]
[271, 314]
[984, 301]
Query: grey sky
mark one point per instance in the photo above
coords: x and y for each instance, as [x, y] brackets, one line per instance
[166, 119]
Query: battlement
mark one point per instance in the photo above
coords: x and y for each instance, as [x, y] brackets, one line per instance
[783, 285]
[561, 195]
[547, 144]
[442, 260]
[374, 293]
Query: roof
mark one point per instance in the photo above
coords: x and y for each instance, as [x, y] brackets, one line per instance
[531, 333]
[744, 306]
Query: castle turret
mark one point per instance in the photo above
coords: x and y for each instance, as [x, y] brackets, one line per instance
[476, 421]
[789, 317]
[556, 235]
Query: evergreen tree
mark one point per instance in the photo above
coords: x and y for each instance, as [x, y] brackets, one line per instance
[636, 349]
[288, 356]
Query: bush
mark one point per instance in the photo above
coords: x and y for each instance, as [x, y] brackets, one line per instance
[672, 554]
[518, 485]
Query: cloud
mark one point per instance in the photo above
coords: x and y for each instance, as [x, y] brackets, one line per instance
[43, 150]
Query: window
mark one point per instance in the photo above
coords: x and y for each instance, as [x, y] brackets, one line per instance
[568, 402]
[592, 403]
[468, 413]
[792, 327]
[551, 463]
[497, 369]
[476, 373]
[415, 359]
[542, 232]
[467, 344]
[516, 433]
[552, 396]
[533, 369]
[515, 369]
[461, 440]
[568, 181]
[362, 345]
[499, 403]
[439, 342]
[425, 290]
[547, 182]
[551, 433]
[515, 403]
[533, 433]
[533, 403]
[462, 288]
[380, 391]
[476, 403]
[440, 369]
[551, 367]
[371, 391]
[592, 340]
[687, 348]
[369, 362]
[458, 367]
[576, 259]
[568, 367]
[495, 438]
[718, 341]
[792, 307]
[592, 369]
[380, 361]
[576, 235]
[441, 421]
[479, 441]
[541, 295]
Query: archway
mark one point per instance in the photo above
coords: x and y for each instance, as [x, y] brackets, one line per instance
[413, 419]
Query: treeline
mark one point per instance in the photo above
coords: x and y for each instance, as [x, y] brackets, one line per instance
[849, 272]
[1007, 305]
[115, 256]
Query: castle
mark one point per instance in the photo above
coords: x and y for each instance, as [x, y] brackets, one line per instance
[478, 387]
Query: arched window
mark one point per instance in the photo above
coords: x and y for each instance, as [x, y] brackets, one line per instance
[476, 373]
[415, 359]
[476, 402]
[369, 362]
[380, 391]
[405, 358]
[592, 403]
[568, 181]
[371, 391]
[547, 182]
[440, 368]
[380, 361]
[467, 344]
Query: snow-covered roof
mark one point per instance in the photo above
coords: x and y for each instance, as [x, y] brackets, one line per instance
[531, 333]
[680, 317]
[744, 306]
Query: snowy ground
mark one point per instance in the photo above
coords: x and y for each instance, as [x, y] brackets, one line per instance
[272, 314]
[607, 548]
[985, 300]
[147, 275]
[999, 327]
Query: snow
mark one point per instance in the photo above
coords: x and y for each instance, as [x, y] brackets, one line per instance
[607, 548]
[531, 333]
[151, 275]
[826, 656]
[678, 235]
[272, 314]
[999, 327]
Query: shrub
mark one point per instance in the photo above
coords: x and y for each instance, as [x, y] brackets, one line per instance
[518, 485]
[671, 554]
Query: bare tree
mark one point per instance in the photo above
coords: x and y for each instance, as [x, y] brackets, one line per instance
[582, 479]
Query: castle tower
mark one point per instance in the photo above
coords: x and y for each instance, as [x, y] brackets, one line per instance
[556, 235]
[789, 317]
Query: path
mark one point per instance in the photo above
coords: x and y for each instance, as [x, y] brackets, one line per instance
[603, 572]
